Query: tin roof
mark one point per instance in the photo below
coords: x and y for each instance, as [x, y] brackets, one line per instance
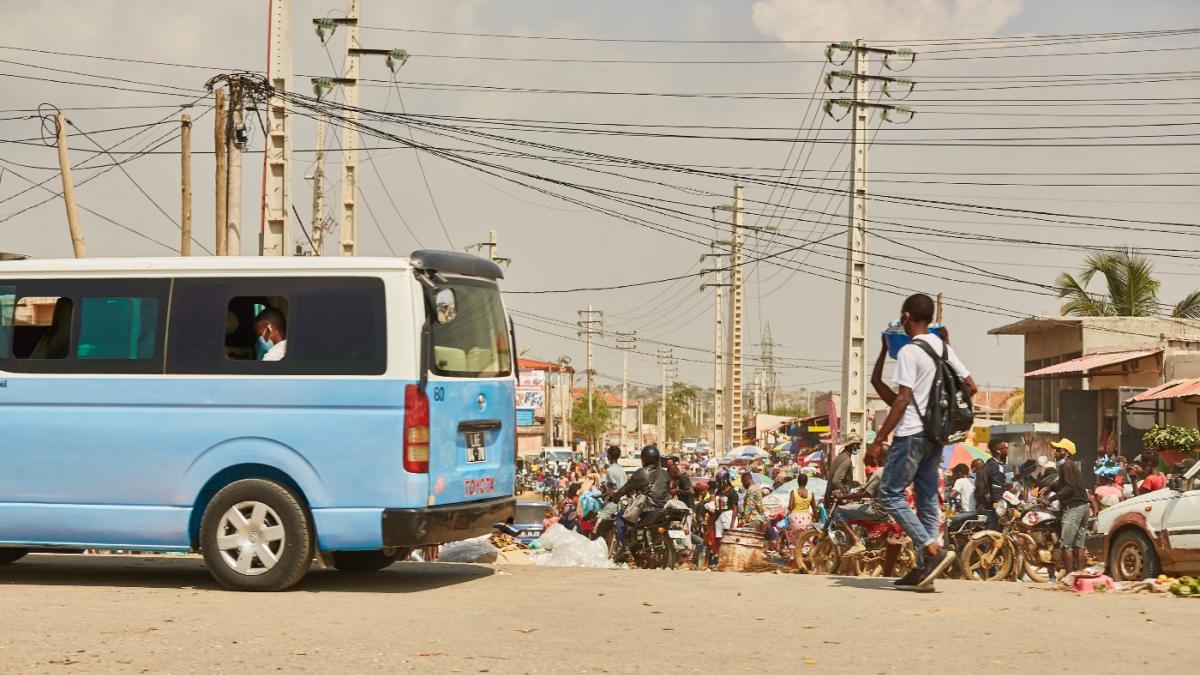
[1172, 389]
[1085, 364]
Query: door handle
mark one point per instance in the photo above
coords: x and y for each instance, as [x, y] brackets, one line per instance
[478, 425]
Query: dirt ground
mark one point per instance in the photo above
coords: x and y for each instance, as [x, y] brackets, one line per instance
[84, 614]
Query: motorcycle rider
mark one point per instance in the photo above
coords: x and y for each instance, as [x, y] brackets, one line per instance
[651, 480]
[990, 483]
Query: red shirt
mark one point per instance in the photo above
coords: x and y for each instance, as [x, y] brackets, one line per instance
[1153, 482]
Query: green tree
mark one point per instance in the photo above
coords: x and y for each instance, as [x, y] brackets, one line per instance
[680, 422]
[1014, 406]
[1130, 288]
[591, 425]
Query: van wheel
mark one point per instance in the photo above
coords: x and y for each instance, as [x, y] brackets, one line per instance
[1132, 557]
[365, 561]
[256, 536]
[9, 555]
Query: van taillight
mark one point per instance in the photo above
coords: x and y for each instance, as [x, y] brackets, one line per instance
[416, 430]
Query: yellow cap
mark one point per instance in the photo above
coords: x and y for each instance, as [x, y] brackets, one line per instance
[1066, 444]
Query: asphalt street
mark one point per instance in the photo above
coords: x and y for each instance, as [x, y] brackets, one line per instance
[84, 614]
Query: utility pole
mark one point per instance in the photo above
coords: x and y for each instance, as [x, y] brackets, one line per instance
[185, 190]
[591, 323]
[718, 428]
[64, 166]
[769, 386]
[853, 411]
[666, 361]
[490, 245]
[349, 81]
[639, 426]
[221, 147]
[274, 228]
[626, 342]
[733, 377]
[235, 137]
[318, 189]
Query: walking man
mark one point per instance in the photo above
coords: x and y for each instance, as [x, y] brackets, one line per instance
[1073, 497]
[913, 459]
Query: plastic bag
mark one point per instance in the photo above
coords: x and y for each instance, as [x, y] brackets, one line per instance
[560, 547]
[478, 550]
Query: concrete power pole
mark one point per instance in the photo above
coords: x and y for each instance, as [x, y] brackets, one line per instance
[733, 378]
[318, 190]
[626, 342]
[349, 81]
[769, 375]
[853, 411]
[220, 147]
[235, 138]
[718, 420]
[185, 188]
[274, 234]
[64, 166]
[591, 323]
[666, 360]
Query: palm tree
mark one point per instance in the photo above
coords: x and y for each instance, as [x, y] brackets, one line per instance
[1131, 289]
[1014, 406]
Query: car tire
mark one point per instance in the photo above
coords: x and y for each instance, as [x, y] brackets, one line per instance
[11, 555]
[365, 561]
[256, 535]
[1132, 557]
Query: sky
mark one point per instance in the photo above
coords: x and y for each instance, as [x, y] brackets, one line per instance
[960, 101]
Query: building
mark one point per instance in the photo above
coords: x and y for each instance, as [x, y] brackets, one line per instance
[542, 398]
[1081, 371]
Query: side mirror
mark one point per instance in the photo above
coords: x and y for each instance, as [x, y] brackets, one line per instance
[1176, 483]
[444, 302]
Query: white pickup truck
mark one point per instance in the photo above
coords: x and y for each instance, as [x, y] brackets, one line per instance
[1155, 532]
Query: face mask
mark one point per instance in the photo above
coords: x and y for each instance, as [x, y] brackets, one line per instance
[264, 346]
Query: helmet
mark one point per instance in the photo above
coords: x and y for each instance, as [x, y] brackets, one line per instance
[722, 477]
[650, 456]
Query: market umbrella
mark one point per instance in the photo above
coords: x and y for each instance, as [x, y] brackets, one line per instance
[814, 458]
[777, 501]
[752, 451]
[711, 463]
[761, 479]
[961, 453]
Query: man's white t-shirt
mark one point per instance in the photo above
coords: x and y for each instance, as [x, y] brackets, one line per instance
[276, 352]
[915, 369]
[965, 487]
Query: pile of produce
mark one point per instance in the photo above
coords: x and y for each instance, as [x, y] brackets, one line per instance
[1184, 587]
[505, 543]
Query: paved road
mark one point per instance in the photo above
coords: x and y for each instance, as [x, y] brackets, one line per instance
[76, 614]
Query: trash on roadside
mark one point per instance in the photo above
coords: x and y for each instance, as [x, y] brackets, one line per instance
[477, 550]
[560, 547]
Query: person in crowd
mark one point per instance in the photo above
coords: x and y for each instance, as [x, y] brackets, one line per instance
[753, 512]
[990, 483]
[568, 508]
[1152, 478]
[912, 459]
[681, 485]
[802, 509]
[701, 524]
[614, 475]
[1074, 501]
[962, 489]
[724, 506]
[841, 471]
[1106, 491]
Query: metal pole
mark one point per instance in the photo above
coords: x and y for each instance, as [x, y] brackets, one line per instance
[64, 166]
[854, 365]
[318, 188]
[233, 216]
[349, 212]
[185, 189]
[221, 149]
[277, 160]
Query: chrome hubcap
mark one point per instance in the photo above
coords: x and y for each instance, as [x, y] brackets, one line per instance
[251, 538]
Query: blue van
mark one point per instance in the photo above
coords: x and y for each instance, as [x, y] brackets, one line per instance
[261, 411]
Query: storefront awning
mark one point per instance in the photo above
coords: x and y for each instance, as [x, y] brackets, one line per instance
[1084, 365]
[1172, 389]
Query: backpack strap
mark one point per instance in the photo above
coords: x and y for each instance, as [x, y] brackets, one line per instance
[937, 370]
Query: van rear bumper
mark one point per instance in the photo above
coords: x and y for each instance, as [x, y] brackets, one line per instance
[443, 524]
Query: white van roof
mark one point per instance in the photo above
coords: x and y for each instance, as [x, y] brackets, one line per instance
[199, 265]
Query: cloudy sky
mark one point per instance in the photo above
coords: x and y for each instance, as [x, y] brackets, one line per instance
[969, 143]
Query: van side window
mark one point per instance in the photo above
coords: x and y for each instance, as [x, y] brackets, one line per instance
[42, 328]
[117, 328]
[256, 328]
[305, 325]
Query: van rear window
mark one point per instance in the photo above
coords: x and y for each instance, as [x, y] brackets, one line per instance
[470, 334]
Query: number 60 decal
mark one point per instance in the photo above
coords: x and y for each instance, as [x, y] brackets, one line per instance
[439, 393]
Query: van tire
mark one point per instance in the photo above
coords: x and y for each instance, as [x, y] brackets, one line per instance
[364, 561]
[273, 520]
[11, 555]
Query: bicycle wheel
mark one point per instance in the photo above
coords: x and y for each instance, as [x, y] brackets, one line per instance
[826, 557]
[988, 558]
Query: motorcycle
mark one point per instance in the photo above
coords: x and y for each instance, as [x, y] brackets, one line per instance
[679, 529]
[959, 532]
[823, 551]
[1036, 534]
[1025, 545]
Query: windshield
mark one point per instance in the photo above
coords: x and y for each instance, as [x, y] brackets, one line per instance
[558, 456]
[529, 514]
[470, 336]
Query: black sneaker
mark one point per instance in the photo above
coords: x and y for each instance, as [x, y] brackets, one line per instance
[935, 565]
[909, 581]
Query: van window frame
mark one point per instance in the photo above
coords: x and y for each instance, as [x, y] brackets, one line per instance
[430, 318]
[76, 289]
[200, 305]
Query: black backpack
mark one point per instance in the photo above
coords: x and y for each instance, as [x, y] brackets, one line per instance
[949, 411]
